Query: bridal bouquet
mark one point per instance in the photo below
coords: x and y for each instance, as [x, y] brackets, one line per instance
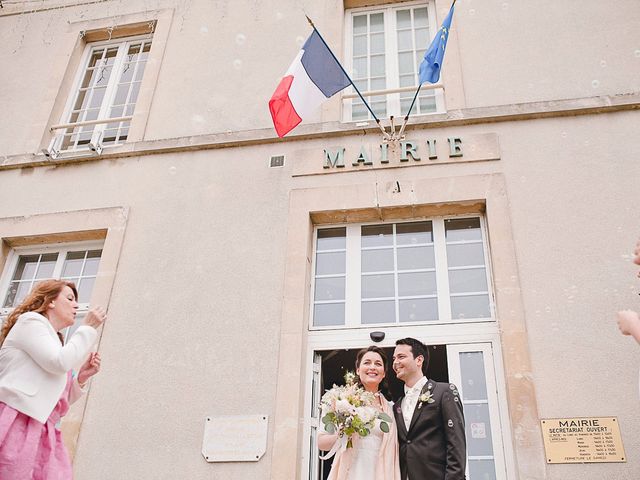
[349, 409]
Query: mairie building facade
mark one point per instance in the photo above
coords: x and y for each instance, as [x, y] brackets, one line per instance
[242, 272]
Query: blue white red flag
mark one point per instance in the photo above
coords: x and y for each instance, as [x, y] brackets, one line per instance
[314, 76]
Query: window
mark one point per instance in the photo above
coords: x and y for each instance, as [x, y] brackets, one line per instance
[107, 87]
[385, 47]
[428, 271]
[76, 263]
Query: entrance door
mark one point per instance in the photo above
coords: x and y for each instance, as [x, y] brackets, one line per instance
[471, 370]
[469, 366]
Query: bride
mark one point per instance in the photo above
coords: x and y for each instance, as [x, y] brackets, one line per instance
[374, 457]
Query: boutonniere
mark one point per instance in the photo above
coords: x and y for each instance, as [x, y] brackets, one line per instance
[426, 397]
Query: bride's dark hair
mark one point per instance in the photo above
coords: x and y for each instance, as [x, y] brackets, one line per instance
[384, 387]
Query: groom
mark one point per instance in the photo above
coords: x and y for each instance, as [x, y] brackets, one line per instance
[429, 419]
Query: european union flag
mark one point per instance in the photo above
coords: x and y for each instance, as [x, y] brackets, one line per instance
[433, 57]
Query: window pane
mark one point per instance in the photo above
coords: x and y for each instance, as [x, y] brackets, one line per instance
[478, 427]
[405, 62]
[377, 44]
[127, 72]
[474, 383]
[330, 263]
[377, 235]
[377, 65]
[377, 260]
[328, 314]
[474, 306]
[461, 281]
[92, 262]
[422, 283]
[360, 68]
[359, 45]
[458, 229]
[418, 310]
[331, 239]
[47, 265]
[73, 264]
[420, 16]
[84, 289]
[26, 268]
[376, 22]
[412, 233]
[359, 111]
[422, 40]
[403, 18]
[378, 84]
[413, 258]
[377, 286]
[465, 254]
[379, 312]
[360, 24]
[329, 289]
[404, 40]
[483, 469]
[16, 293]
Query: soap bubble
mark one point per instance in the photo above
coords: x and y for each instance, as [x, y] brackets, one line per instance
[472, 11]
[300, 41]
[240, 39]
[204, 29]
[172, 170]
[279, 16]
[603, 63]
[237, 64]
[637, 53]
[595, 83]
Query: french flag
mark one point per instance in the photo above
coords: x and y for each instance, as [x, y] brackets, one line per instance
[314, 76]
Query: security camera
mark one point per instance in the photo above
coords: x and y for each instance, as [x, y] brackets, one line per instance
[377, 336]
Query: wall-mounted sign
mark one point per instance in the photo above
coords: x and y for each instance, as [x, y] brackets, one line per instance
[423, 148]
[235, 438]
[582, 440]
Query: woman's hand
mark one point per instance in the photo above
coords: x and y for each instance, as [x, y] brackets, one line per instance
[95, 317]
[89, 368]
[629, 324]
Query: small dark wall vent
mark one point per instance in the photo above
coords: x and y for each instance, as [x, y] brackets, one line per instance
[276, 161]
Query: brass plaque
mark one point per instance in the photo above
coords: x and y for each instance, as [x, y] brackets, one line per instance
[582, 440]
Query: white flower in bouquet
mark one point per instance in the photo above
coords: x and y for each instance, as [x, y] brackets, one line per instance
[349, 409]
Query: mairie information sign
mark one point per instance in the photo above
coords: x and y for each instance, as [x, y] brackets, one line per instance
[582, 440]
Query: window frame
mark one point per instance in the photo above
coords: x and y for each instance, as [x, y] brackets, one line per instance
[60, 248]
[393, 102]
[353, 275]
[110, 92]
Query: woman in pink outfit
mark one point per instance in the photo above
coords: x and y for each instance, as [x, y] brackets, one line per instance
[36, 382]
[374, 457]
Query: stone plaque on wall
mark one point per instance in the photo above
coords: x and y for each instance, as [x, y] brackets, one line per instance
[235, 438]
[582, 440]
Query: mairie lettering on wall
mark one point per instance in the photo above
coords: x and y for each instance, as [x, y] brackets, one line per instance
[366, 153]
[409, 149]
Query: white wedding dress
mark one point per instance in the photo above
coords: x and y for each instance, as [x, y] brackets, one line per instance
[366, 451]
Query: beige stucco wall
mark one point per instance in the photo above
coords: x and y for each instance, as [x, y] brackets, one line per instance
[199, 307]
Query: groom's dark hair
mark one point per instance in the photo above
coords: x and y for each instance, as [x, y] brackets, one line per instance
[417, 348]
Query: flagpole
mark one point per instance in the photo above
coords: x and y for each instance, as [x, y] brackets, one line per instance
[347, 75]
[406, 118]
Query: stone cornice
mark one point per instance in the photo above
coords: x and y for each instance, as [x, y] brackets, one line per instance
[453, 118]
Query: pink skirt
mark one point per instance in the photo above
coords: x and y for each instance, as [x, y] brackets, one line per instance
[30, 450]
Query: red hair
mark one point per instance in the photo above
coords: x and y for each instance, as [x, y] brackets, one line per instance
[38, 301]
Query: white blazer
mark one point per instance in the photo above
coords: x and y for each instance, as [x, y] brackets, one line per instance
[34, 365]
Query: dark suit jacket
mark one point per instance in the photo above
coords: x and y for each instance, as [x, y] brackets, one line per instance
[434, 446]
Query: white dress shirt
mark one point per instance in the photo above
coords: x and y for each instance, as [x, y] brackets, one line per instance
[410, 400]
